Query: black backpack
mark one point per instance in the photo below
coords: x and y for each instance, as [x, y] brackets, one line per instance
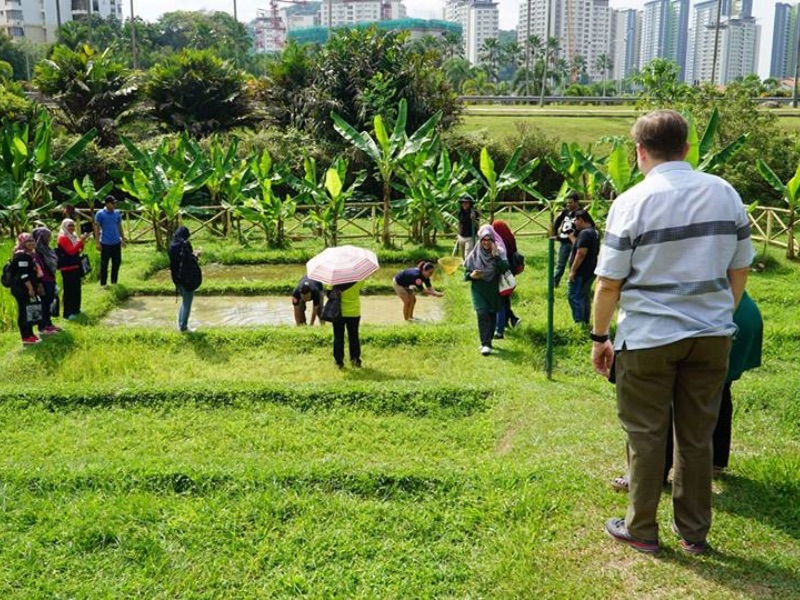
[189, 274]
[8, 276]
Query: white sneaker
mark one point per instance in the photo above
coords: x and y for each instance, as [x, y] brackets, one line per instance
[485, 350]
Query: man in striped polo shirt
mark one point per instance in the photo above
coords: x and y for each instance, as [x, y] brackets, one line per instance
[674, 260]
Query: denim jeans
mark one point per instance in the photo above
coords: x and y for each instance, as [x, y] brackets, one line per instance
[579, 300]
[505, 315]
[186, 307]
[564, 250]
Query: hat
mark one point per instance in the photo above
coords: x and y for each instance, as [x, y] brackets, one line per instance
[466, 198]
[110, 199]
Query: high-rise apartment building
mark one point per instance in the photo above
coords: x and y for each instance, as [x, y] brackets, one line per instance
[735, 42]
[37, 20]
[626, 40]
[336, 13]
[582, 26]
[784, 40]
[479, 20]
[665, 32]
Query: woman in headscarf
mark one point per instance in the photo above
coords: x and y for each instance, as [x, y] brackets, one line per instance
[505, 316]
[69, 251]
[47, 261]
[483, 268]
[186, 274]
[26, 279]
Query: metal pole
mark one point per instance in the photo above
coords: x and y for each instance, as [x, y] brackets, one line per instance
[548, 357]
[58, 13]
[133, 39]
[796, 61]
[716, 43]
[546, 51]
[235, 18]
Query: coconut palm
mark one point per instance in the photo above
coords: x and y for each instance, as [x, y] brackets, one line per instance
[489, 56]
[533, 45]
[604, 64]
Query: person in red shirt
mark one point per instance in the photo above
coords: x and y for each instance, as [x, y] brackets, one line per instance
[69, 251]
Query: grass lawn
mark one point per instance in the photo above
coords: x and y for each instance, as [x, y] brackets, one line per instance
[582, 124]
[240, 462]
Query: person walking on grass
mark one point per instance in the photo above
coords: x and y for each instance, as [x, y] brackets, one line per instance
[408, 282]
[675, 259]
[468, 222]
[69, 251]
[586, 247]
[484, 265]
[186, 273]
[110, 240]
[47, 260]
[505, 314]
[26, 277]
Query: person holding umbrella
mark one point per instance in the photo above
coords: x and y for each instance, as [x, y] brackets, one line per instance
[344, 269]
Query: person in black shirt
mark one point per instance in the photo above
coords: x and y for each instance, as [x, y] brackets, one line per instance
[408, 282]
[563, 227]
[468, 221]
[307, 290]
[26, 286]
[582, 265]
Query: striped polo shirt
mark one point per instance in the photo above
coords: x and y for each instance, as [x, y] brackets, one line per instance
[672, 240]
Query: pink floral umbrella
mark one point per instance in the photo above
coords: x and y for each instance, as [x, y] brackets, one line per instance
[342, 264]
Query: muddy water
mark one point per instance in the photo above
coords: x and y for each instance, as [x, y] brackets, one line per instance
[222, 311]
[251, 273]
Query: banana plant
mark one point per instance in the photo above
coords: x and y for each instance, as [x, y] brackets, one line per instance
[27, 163]
[431, 186]
[84, 192]
[513, 176]
[266, 208]
[579, 169]
[790, 192]
[15, 211]
[388, 151]
[702, 155]
[159, 183]
[327, 197]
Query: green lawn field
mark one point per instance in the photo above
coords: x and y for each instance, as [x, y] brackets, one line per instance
[240, 462]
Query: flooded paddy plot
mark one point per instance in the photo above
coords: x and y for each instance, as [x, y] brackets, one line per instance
[233, 311]
[293, 272]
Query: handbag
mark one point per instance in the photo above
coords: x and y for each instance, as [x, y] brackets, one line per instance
[55, 306]
[86, 266]
[332, 311]
[507, 283]
[33, 311]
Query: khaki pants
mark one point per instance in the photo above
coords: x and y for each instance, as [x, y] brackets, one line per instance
[687, 375]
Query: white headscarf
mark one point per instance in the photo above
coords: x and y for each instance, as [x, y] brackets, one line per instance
[66, 232]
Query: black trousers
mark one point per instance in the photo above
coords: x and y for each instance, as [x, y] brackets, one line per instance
[72, 292]
[354, 343]
[22, 298]
[113, 253]
[486, 322]
[47, 300]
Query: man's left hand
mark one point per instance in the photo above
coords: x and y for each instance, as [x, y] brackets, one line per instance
[602, 357]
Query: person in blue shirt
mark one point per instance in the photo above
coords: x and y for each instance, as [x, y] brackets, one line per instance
[408, 282]
[110, 239]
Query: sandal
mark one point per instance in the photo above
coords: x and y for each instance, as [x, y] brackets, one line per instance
[621, 483]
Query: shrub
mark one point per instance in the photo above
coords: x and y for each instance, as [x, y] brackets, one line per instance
[197, 92]
[14, 106]
[92, 90]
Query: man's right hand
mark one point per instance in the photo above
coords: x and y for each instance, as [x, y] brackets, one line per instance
[602, 357]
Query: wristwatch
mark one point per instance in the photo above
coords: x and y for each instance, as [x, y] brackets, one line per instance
[598, 337]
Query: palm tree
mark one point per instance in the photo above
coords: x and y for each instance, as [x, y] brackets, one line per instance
[604, 64]
[551, 49]
[452, 46]
[510, 55]
[533, 44]
[489, 55]
[478, 84]
[577, 68]
[457, 70]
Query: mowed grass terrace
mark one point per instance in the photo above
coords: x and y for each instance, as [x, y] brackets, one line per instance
[239, 462]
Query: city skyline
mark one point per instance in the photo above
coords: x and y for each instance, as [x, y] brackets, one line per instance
[150, 10]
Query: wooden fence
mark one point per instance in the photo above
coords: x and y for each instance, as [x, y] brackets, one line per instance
[362, 221]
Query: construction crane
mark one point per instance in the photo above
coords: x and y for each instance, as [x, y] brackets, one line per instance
[278, 26]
